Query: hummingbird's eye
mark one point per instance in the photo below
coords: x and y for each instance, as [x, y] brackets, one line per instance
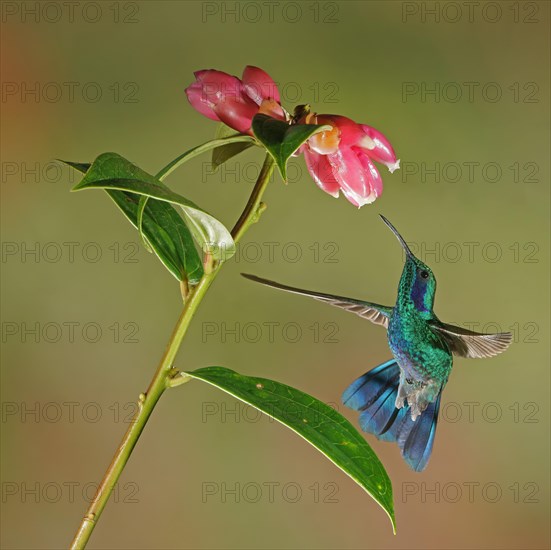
[424, 274]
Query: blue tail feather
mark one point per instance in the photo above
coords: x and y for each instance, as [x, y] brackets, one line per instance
[374, 395]
[417, 438]
[356, 397]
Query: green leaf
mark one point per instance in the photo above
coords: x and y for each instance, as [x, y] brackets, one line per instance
[164, 230]
[323, 427]
[222, 154]
[281, 139]
[166, 233]
[139, 215]
[80, 166]
[111, 172]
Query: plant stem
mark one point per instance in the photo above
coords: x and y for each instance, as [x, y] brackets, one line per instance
[200, 149]
[161, 379]
[146, 404]
[253, 208]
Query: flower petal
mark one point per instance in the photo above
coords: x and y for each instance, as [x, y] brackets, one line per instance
[353, 177]
[378, 147]
[196, 97]
[321, 172]
[217, 85]
[210, 88]
[375, 179]
[237, 113]
[350, 132]
[326, 142]
[271, 108]
[259, 85]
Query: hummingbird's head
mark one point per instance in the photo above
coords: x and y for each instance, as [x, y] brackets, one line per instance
[417, 284]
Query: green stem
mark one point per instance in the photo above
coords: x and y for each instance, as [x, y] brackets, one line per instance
[254, 206]
[161, 379]
[200, 149]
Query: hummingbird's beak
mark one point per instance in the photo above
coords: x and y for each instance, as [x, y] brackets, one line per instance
[398, 236]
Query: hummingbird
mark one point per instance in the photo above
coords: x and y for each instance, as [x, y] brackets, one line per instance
[399, 400]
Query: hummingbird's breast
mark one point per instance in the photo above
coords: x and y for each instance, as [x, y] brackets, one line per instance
[420, 353]
[425, 361]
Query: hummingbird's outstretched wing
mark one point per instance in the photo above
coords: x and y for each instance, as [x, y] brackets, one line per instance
[373, 312]
[474, 345]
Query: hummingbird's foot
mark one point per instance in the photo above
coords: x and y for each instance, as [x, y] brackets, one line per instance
[402, 395]
[419, 396]
[417, 404]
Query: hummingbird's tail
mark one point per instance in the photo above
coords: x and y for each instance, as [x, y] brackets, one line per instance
[374, 395]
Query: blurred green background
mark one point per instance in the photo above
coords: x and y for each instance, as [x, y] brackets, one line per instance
[207, 472]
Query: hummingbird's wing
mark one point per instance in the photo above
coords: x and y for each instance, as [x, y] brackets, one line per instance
[474, 345]
[373, 312]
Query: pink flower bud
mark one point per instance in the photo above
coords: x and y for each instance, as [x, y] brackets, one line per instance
[223, 97]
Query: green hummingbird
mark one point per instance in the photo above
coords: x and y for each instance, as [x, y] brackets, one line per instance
[399, 400]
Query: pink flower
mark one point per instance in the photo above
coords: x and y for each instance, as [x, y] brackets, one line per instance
[341, 159]
[226, 98]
